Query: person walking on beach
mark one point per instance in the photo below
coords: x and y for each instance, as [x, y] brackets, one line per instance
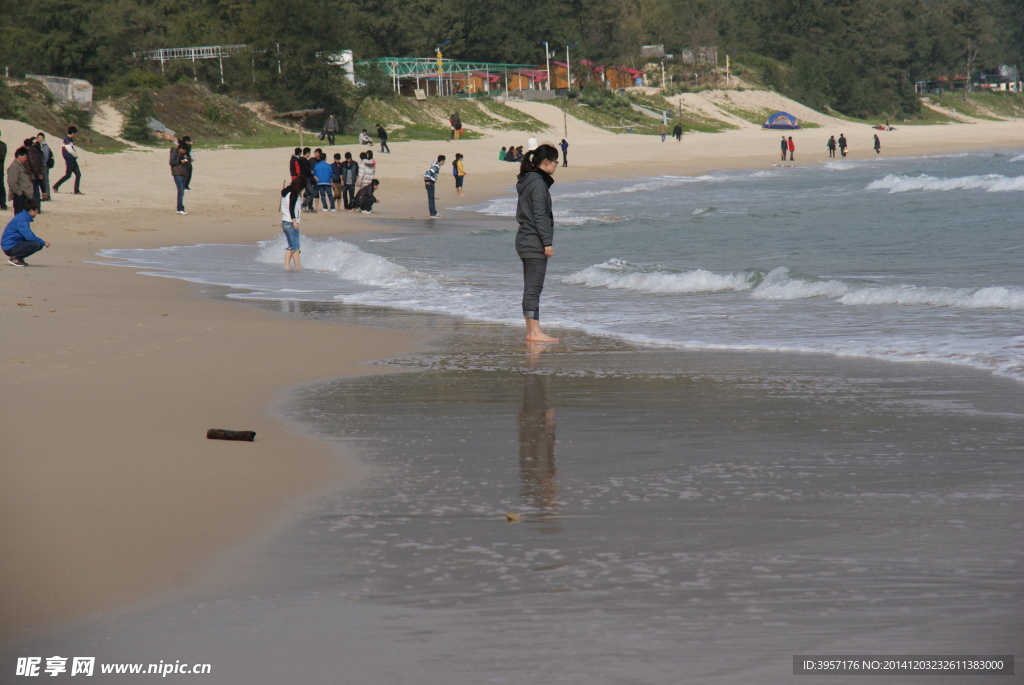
[331, 129]
[18, 241]
[459, 171]
[792, 147]
[291, 217]
[565, 152]
[430, 181]
[842, 145]
[382, 136]
[70, 155]
[19, 181]
[878, 145]
[677, 132]
[179, 172]
[455, 121]
[831, 146]
[785, 148]
[663, 131]
[536, 231]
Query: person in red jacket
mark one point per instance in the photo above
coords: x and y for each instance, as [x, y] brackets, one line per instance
[791, 148]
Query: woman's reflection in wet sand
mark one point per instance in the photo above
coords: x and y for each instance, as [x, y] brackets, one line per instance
[537, 470]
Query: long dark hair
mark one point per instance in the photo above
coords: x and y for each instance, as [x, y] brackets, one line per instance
[533, 158]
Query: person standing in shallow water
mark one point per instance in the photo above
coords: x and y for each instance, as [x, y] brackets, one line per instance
[536, 231]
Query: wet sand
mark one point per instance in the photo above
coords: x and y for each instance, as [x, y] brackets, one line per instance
[712, 513]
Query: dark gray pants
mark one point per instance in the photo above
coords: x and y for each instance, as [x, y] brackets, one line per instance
[534, 269]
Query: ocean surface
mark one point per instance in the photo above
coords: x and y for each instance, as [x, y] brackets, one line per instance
[892, 259]
[786, 418]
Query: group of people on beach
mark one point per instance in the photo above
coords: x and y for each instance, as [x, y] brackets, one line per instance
[28, 185]
[28, 175]
[315, 181]
[831, 145]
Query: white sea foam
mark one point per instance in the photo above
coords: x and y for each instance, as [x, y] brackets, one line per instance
[1018, 158]
[779, 284]
[345, 259]
[991, 183]
[960, 298]
[618, 274]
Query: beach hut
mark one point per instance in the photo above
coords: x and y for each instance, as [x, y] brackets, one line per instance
[781, 120]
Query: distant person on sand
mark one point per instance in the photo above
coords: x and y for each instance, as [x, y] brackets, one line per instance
[455, 121]
[382, 136]
[842, 144]
[429, 182]
[785, 148]
[291, 217]
[336, 179]
[349, 175]
[663, 131]
[536, 231]
[187, 142]
[364, 138]
[501, 154]
[459, 171]
[295, 164]
[878, 145]
[565, 152]
[831, 146]
[3, 160]
[367, 170]
[35, 168]
[179, 171]
[330, 129]
[70, 161]
[365, 198]
[47, 163]
[323, 172]
[19, 181]
[677, 132]
[792, 148]
[18, 241]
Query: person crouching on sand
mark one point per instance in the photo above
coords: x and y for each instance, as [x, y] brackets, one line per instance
[536, 231]
[291, 217]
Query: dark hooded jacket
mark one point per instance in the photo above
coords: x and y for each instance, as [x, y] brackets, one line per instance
[534, 214]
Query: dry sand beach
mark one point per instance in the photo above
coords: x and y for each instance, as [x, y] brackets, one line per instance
[109, 490]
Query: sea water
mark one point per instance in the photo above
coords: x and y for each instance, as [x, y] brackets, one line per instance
[893, 259]
[728, 461]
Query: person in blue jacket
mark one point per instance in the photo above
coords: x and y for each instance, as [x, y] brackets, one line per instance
[18, 241]
[324, 172]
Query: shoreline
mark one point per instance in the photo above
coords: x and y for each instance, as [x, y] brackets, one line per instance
[112, 493]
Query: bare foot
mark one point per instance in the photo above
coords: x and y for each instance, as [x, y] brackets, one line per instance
[541, 337]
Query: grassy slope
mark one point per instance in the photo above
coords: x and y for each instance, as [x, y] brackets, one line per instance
[219, 120]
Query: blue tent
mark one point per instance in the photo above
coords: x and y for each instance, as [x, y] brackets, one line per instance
[781, 120]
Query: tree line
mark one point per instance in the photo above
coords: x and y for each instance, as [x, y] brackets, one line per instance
[859, 57]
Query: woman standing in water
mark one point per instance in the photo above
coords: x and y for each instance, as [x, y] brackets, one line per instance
[291, 217]
[536, 231]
